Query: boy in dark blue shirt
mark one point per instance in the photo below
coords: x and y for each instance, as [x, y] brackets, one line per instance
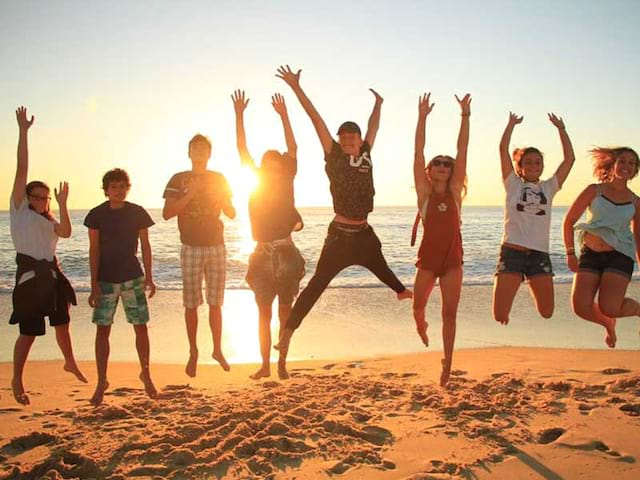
[114, 229]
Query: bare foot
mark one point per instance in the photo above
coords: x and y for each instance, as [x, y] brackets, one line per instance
[73, 369]
[149, 387]
[405, 294]
[218, 357]
[98, 395]
[192, 364]
[421, 328]
[611, 338]
[18, 392]
[285, 340]
[282, 371]
[446, 373]
[264, 372]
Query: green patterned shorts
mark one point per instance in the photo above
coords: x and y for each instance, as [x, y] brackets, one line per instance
[133, 300]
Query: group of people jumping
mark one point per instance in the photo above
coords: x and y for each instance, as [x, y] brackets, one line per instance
[197, 197]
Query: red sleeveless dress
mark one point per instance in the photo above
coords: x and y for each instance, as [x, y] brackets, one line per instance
[441, 247]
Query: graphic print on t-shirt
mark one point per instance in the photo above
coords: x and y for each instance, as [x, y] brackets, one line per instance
[361, 162]
[531, 201]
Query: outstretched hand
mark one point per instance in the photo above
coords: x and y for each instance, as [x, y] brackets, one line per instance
[290, 78]
[23, 122]
[277, 101]
[465, 104]
[424, 108]
[379, 99]
[557, 121]
[514, 119]
[62, 193]
[239, 101]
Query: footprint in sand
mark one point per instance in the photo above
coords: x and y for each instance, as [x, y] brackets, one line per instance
[631, 409]
[615, 371]
[27, 442]
[601, 447]
[550, 435]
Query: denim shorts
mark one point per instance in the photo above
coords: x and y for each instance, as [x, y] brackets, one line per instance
[600, 262]
[527, 263]
[275, 271]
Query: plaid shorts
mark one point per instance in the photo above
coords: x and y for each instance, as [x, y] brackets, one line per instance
[133, 300]
[196, 262]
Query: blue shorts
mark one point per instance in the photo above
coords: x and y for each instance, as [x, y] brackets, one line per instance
[600, 262]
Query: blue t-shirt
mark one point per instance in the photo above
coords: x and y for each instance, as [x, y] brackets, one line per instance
[118, 229]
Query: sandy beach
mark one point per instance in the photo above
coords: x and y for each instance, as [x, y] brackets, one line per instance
[507, 413]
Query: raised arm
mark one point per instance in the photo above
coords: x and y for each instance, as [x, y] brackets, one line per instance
[374, 119]
[239, 105]
[574, 213]
[505, 157]
[22, 169]
[460, 165]
[421, 182]
[63, 229]
[277, 101]
[293, 80]
[567, 149]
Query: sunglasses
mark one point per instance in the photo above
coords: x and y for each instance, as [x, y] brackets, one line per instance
[41, 198]
[443, 163]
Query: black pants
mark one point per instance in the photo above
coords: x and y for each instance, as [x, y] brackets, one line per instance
[344, 246]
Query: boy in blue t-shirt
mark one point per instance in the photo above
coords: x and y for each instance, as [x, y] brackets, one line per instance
[114, 229]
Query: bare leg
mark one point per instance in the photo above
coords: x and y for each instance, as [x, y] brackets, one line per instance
[191, 321]
[283, 315]
[102, 359]
[612, 300]
[142, 346]
[264, 333]
[585, 286]
[63, 338]
[450, 288]
[215, 322]
[541, 287]
[504, 291]
[20, 354]
[425, 280]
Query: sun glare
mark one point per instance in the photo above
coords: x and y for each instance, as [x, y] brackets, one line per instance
[243, 181]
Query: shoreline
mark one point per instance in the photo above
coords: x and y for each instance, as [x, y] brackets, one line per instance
[345, 323]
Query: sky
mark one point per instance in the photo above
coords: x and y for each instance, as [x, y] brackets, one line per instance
[127, 84]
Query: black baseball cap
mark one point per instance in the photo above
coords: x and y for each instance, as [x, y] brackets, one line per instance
[349, 127]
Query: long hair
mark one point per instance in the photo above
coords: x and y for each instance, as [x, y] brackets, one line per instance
[604, 160]
[427, 171]
[518, 155]
[31, 186]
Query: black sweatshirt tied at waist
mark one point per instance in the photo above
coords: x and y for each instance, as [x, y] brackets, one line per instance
[40, 295]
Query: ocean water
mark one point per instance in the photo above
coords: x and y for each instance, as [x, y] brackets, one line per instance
[481, 232]
[356, 317]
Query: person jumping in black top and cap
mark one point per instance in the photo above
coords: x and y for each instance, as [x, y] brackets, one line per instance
[350, 239]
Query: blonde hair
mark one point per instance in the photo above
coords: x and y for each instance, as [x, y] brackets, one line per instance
[604, 160]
